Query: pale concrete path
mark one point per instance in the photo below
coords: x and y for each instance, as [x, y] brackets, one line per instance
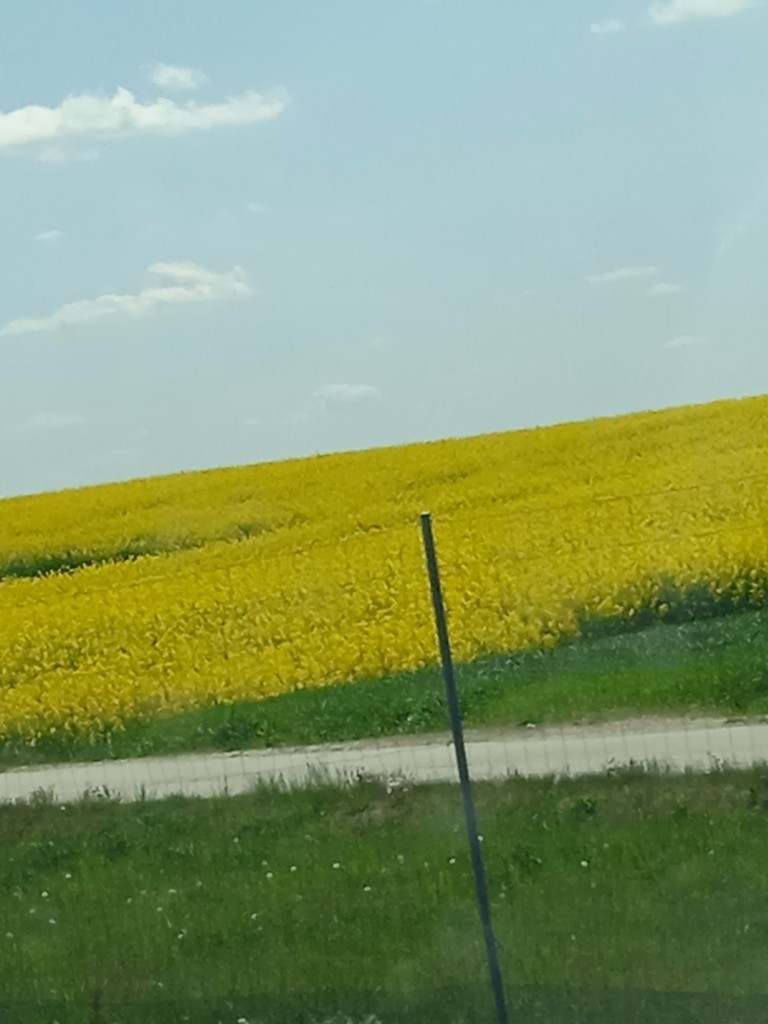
[674, 744]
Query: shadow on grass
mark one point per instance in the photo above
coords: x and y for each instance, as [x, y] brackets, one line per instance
[709, 653]
[675, 605]
[460, 1005]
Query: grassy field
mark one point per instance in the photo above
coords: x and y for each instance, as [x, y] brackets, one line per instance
[643, 897]
[596, 570]
[717, 665]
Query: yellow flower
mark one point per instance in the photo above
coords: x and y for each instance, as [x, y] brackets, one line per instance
[244, 583]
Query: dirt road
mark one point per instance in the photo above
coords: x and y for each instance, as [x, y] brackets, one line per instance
[675, 744]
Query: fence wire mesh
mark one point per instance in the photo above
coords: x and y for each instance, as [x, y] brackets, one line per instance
[615, 737]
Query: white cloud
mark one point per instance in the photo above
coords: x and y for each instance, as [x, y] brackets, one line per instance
[606, 28]
[684, 341]
[622, 274]
[673, 12]
[663, 288]
[169, 76]
[60, 155]
[175, 284]
[52, 421]
[346, 394]
[52, 237]
[98, 117]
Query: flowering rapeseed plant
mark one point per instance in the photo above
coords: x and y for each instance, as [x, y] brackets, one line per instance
[244, 583]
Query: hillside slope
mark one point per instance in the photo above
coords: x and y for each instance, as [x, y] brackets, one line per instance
[159, 595]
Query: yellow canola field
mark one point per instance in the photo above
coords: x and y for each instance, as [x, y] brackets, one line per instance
[243, 583]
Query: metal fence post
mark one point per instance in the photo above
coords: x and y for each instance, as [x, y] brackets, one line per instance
[452, 696]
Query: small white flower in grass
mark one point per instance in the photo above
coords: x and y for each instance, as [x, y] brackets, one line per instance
[44, 894]
[68, 876]
[270, 875]
[171, 892]
[51, 920]
[366, 888]
[265, 863]
[254, 916]
[336, 865]
[129, 900]
[9, 935]
[451, 860]
[585, 863]
[182, 933]
[480, 839]
[159, 910]
[236, 839]
[199, 884]
[32, 910]
[293, 867]
[400, 858]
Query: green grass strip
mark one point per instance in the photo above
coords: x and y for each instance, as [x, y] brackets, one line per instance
[715, 665]
[635, 896]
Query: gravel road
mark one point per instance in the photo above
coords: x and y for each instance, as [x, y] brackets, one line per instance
[674, 744]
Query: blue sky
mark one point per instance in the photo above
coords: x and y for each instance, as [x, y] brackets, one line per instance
[243, 231]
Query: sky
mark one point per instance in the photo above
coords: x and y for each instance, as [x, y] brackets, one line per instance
[248, 230]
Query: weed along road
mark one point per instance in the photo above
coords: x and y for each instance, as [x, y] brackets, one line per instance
[669, 744]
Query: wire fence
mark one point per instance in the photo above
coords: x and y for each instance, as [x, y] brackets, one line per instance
[619, 786]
